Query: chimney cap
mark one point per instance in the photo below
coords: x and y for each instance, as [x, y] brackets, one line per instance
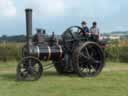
[28, 9]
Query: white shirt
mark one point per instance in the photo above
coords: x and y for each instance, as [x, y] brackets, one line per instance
[94, 30]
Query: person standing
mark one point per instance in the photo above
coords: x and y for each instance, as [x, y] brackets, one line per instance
[94, 30]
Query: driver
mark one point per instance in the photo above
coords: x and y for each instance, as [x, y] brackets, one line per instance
[85, 28]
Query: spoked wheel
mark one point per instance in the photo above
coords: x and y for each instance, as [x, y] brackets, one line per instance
[88, 59]
[29, 69]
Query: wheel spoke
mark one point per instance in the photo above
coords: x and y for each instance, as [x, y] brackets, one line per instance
[82, 55]
[93, 68]
[87, 52]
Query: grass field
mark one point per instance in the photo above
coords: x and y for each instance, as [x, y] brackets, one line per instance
[113, 81]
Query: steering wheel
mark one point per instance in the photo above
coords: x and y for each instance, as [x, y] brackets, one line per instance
[70, 35]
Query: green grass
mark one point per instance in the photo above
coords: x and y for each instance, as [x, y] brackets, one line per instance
[113, 81]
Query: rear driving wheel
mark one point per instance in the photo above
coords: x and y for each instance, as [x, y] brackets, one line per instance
[88, 59]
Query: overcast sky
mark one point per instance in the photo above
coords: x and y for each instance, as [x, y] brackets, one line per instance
[57, 15]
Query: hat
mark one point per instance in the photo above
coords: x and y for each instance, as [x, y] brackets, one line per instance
[83, 23]
[94, 23]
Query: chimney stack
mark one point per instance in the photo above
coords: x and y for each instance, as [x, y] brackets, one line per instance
[29, 29]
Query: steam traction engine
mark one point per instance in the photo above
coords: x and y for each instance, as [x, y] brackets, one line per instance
[74, 53]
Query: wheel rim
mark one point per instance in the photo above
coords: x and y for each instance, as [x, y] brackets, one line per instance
[90, 60]
[29, 69]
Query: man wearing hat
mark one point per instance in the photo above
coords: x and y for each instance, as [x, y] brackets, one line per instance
[85, 28]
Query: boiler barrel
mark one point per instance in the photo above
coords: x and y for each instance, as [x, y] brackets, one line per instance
[46, 52]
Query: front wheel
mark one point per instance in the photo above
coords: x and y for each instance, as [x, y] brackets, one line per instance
[29, 69]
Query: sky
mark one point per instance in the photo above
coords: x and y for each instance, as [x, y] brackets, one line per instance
[57, 15]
